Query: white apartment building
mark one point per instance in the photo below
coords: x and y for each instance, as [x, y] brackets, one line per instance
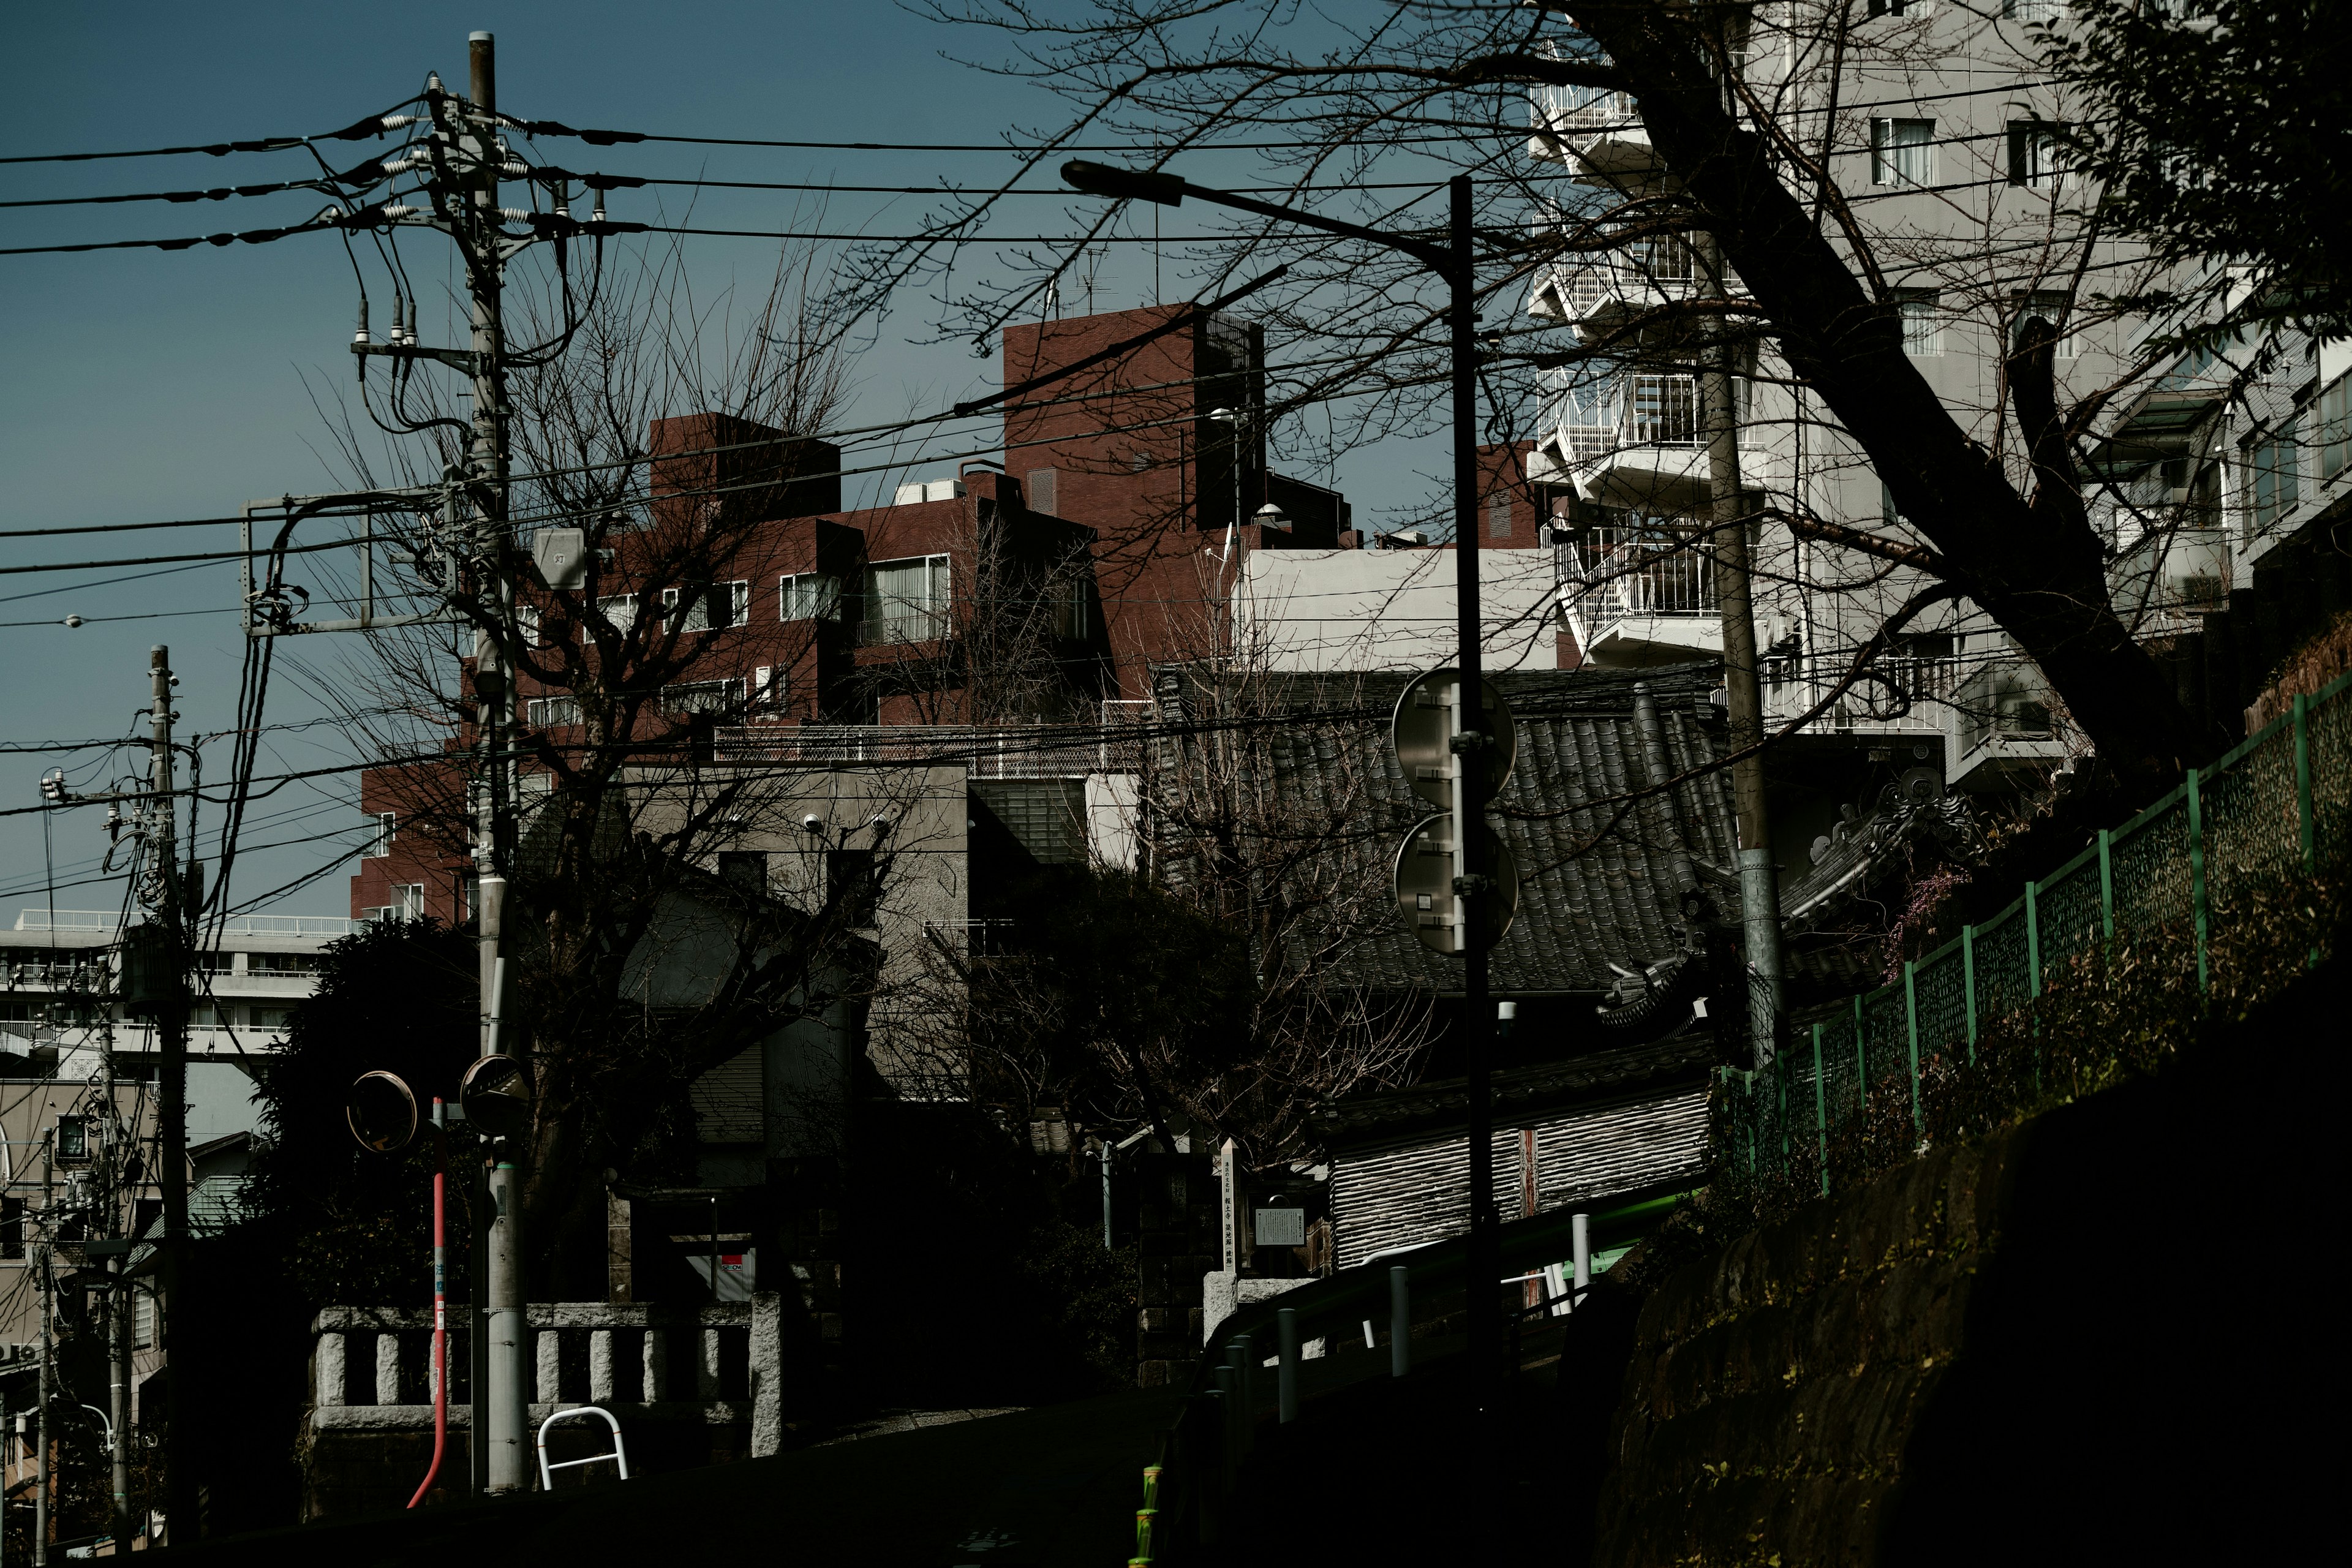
[1948, 184]
[60, 1010]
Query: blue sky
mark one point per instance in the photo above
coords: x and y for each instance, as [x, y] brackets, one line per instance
[148, 385]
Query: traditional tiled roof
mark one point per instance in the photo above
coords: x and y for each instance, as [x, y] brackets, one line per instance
[1599, 885]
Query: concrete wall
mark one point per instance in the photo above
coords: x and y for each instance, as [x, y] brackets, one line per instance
[1391, 609]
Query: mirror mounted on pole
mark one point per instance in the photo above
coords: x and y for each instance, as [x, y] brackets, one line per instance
[496, 1094]
[382, 1112]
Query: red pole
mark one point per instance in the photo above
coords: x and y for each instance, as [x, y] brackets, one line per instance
[440, 1308]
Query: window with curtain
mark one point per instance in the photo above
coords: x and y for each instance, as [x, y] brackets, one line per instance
[1923, 321]
[2033, 154]
[1902, 152]
[906, 601]
[808, 597]
[2053, 306]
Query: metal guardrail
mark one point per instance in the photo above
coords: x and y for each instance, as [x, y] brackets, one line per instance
[1188, 1495]
[2278, 806]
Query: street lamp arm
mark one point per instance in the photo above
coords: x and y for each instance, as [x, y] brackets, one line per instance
[1170, 190]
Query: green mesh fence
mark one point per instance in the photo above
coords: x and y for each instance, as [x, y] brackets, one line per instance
[2278, 806]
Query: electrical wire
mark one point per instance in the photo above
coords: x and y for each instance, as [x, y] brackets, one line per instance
[371, 126]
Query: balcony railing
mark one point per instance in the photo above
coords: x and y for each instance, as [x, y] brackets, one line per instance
[1904, 693]
[1609, 575]
[1581, 110]
[988, 751]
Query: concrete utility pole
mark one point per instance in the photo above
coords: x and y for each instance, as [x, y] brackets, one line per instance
[475, 220]
[41, 1411]
[1759, 878]
[172, 1090]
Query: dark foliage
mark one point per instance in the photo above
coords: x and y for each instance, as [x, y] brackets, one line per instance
[399, 997]
[2223, 139]
[975, 1280]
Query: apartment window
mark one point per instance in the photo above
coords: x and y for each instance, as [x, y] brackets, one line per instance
[142, 1318]
[2051, 306]
[1923, 321]
[853, 883]
[527, 625]
[1900, 7]
[2030, 10]
[551, 712]
[906, 601]
[809, 597]
[1902, 152]
[281, 963]
[745, 870]
[12, 1228]
[1498, 515]
[2336, 427]
[2271, 476]
[2033, 154]
[1074, 605]
[73, 1139]
[720, 697]
[709, 606]
[768, 688]
[380, 846]
[273, 1020]
[407, 902]
[620, 609]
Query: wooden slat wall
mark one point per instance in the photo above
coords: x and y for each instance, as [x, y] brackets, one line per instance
[1419, 1192]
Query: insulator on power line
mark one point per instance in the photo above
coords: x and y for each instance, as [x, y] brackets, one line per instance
[361, 336]
[400, 121]
[514, 215]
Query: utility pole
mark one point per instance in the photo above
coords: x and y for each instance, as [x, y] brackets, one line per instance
[1474, 881]
[169, 958]
[475, 224]
[1759, 878]
[41, 1411]
[119, 1312]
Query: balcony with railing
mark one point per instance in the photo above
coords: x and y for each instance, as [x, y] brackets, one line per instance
[1640, 440]
[1640, 592]
[1898, 696]
[1116, 745]
[1597, 134]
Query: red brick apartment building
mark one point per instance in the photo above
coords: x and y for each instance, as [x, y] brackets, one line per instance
[1135, 477]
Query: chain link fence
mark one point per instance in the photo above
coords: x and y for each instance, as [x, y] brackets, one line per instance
[2205, 895]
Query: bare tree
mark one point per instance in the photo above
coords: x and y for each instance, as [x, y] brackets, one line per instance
[639, 965]
[1762, 119]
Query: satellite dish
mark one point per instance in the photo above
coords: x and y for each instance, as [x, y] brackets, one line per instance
[382, 1112]
[496, 1094]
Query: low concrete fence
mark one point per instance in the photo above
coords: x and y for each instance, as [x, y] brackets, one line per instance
[371, 1367]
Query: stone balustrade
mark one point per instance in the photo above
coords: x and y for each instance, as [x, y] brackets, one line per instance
[371, 1367]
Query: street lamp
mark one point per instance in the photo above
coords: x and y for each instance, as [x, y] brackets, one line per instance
[1450, 258]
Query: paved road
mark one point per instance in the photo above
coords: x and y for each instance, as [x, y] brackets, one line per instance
[1034, 1489]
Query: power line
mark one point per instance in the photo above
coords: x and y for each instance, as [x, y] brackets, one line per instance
[617, 138]
[373, 125]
